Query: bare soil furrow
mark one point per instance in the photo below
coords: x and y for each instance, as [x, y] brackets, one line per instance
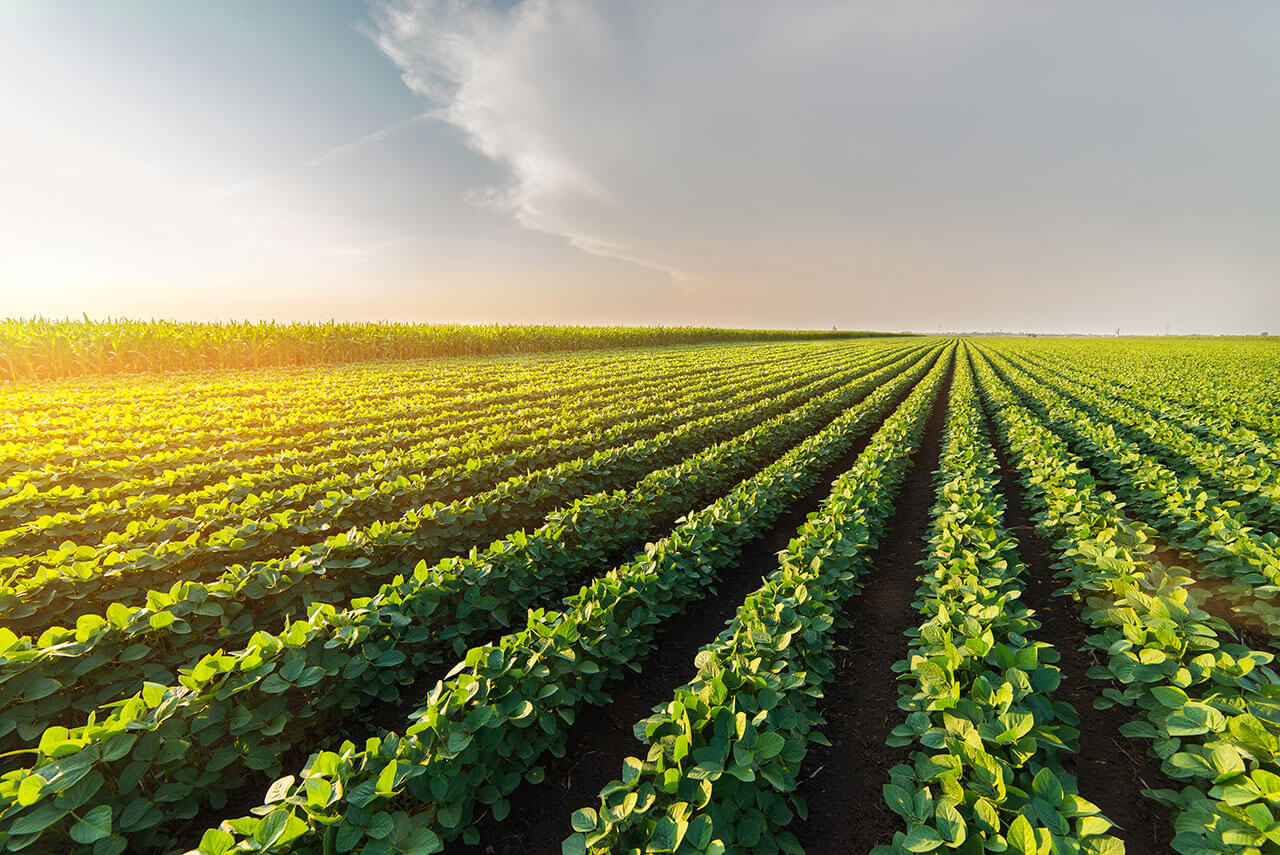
[843, 783]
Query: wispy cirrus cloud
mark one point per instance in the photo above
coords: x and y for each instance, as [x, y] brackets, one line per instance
[246, 186]
[251, 184]
[369, 138]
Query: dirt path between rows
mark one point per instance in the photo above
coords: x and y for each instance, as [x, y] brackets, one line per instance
[842, 784]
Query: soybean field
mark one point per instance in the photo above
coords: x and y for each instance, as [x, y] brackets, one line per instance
[853, 595]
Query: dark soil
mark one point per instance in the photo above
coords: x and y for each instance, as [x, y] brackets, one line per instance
[842, 784]
[602, 737]
[1112, 770]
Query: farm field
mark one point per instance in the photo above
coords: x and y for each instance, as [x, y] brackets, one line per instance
[892, 594]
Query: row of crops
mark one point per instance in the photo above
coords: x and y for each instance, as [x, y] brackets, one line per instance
[43, 349]
[366, 609]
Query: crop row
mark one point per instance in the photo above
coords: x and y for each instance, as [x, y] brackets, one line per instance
[432, 530]
[1247, 471]
[183, 461]
[308, 405]
[388, 448]
[340, 419]
[93, 663]
[985, 773]
[484, 728]
[268, 521]
[1180, 509]
[247, 709]
[1209, 706]
[40, 348]
[1213, 428]
[1229, 381]
[229, 423]
[724, 754]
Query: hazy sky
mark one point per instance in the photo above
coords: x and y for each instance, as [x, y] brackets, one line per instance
[887, 165]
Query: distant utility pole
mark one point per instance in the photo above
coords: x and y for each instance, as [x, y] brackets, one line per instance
[1166, 329]
[1117, 332]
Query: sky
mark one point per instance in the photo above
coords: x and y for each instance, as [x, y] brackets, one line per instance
[1041, 167]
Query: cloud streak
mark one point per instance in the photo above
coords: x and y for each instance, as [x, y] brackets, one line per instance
[373, 137]
[250, 184]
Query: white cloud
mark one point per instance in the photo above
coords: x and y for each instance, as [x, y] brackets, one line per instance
[823, 150]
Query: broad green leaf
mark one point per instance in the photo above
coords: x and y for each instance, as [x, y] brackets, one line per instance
[1021, 837]
[94, 825]
[279, 789]
[216, 842]
[29, 790]
[923, 838]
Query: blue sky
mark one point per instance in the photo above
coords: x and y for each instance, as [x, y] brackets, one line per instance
[1047, 167]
